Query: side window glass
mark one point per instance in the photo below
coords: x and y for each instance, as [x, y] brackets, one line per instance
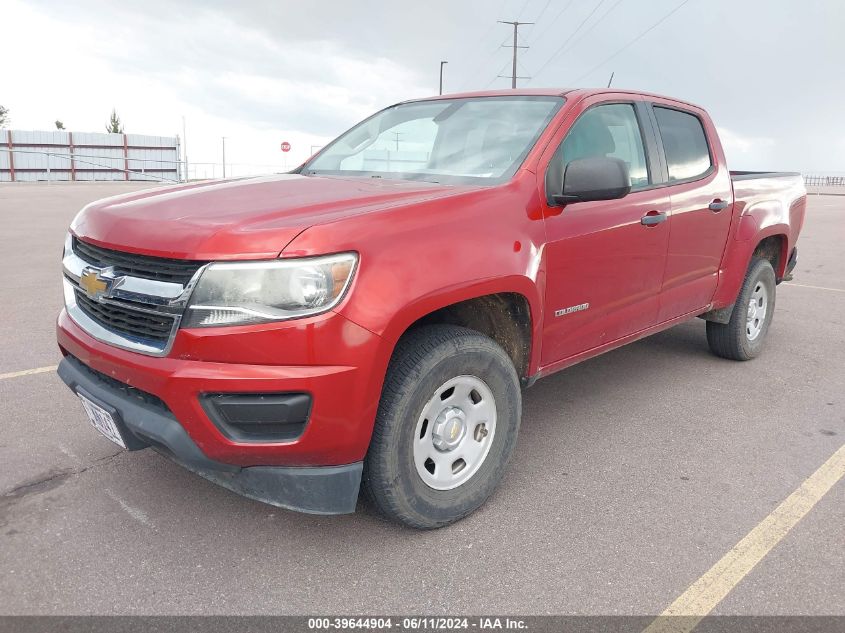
[607, 131]
[684, 143]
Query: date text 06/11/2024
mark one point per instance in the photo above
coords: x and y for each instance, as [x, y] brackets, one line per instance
[416, 623]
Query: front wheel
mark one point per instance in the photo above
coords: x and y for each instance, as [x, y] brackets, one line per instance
[446, 427]
[743, 336]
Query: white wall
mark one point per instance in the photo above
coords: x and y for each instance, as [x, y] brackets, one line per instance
[150, 158]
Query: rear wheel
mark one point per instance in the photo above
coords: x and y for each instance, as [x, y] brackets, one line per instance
[742, 338]
[446, 427]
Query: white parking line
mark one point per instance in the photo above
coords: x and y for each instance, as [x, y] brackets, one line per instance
[790, 283]
[136, 513]
[28, 372]
[709, 590]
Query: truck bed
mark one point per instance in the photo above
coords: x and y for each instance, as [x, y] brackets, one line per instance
[776, 189]
[752, 175]
[771, 198]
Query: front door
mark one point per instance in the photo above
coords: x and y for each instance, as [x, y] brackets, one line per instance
[604, 265]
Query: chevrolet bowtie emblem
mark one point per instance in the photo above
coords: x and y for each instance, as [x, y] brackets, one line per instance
[92, 284]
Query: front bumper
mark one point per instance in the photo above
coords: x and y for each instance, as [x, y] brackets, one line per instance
[328, 357]
[146, 421]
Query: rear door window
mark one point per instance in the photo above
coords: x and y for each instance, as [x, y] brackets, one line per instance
[684, 143]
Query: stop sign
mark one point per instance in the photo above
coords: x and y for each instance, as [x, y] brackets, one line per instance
[285, 146]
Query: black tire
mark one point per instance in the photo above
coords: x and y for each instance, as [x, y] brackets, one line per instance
[423, 361]
[730, 340]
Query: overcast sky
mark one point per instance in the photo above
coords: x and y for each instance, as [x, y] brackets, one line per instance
[771, 73]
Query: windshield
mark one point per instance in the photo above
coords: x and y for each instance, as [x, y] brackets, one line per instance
[480, 140]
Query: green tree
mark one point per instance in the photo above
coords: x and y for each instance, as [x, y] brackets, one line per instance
[114, 126]
[59, 125]
[4, 116]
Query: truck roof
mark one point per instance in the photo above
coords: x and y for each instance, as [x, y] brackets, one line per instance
[549, 92]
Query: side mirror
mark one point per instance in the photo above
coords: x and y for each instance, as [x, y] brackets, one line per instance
[587, 179]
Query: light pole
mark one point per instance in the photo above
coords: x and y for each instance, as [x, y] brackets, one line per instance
[442, 64]
[224, 157]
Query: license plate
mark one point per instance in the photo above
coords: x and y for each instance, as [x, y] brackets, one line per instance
[102, 420]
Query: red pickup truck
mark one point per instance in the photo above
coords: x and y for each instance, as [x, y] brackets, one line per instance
[368, 320]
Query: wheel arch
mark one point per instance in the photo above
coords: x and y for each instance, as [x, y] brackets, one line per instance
[773, 247]
[772, 244]
[507, 310]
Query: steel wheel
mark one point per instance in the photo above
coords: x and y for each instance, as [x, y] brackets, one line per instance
[756, 314]
[446, 426]
[743, 336]
[454, 432]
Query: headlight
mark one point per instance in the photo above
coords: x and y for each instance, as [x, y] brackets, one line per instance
[259, 292]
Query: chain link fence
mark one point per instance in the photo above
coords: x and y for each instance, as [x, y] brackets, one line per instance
[824, 180]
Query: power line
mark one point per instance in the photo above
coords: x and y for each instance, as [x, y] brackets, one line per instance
[516, 24]
[543, 11]
[567, 40]
[498, 75]
[632, 42]
[551, 22]
[573, 43]
[492, 24]
[478, 67]
[481, 40]
[522, 10]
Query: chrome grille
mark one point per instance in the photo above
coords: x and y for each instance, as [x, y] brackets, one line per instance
[130, 301]
[121, 317]
[177, 271]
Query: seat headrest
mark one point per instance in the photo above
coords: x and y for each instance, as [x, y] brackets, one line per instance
[590, 138]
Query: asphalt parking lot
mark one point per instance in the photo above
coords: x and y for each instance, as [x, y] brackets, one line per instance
[635, 472]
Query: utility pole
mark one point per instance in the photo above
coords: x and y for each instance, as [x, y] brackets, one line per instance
[441, 75]
[516, 25]
[224, 157]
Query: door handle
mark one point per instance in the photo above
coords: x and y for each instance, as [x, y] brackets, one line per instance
[653, 218]
[717, 205]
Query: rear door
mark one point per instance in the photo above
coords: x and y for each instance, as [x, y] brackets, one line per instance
[699, 185]
[604, 266]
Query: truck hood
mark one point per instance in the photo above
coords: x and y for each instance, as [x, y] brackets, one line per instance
[252, 218]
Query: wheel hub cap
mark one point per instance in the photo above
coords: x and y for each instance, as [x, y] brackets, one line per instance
[755, 316]
[454, 432]
[449, 429]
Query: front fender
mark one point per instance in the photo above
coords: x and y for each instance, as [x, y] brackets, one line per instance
[433, 301]
[419, 258]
